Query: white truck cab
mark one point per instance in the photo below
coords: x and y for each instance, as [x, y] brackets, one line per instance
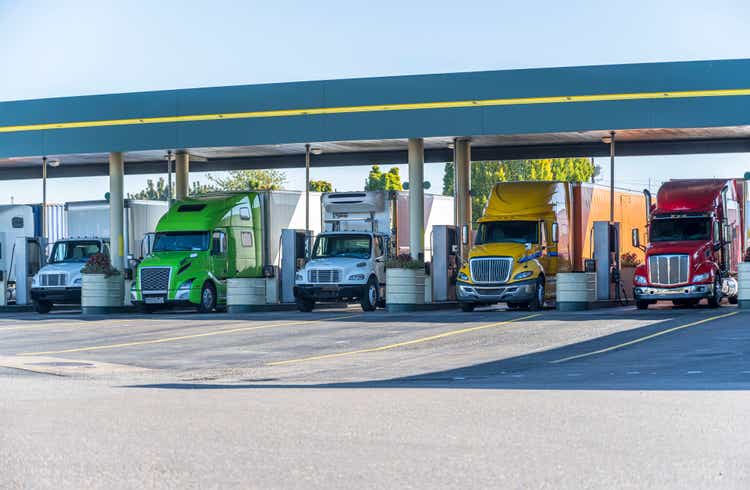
[345, 266]
[59, 282]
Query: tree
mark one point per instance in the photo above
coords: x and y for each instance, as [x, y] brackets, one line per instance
[247, 180]
[484, 175]
[321, 186]
[379, 181]
[155, 192]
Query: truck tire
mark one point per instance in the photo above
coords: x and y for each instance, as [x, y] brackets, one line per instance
[370, 295]
[537, 303]
[733, 300]
[715, 300]
[42, 307]
[305, 305]
[642, 304]
[208, 298]
[468, 307]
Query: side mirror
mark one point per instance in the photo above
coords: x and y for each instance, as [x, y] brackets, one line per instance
[636, 237]
[555, 233]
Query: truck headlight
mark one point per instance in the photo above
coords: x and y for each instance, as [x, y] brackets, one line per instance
[701, 277]
[299, 277]
[462, 276]
[523, 275]
[357, 277]
[640, 280]
[183, 292]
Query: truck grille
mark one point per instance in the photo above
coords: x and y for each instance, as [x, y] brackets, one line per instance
[53, 279]
[493, 269]
[668, 269]
[324, 275]
[155, 279]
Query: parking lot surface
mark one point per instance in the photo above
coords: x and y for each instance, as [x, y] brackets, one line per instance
[338, 398]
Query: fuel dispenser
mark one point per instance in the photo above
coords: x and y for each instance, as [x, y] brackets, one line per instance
[294, 248]
[20, 260]
[445, 262]
[607, 258]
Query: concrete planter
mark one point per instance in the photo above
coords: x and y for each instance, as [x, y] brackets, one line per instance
[404, 289]
[245, 294]
[744, 284]
[102, 294]
[575, 290]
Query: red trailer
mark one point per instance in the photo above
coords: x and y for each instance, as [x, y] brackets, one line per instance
[695, 234]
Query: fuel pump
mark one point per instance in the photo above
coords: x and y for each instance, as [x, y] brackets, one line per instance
[607, 257]
[294, 250]
[445, 262]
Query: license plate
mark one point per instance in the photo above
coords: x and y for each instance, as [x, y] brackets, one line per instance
[329, 289]
[154, 300]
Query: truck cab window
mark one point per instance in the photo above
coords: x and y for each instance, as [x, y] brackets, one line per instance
[218, 243]
[78, 251]
[344, 245]
[508, 231]
[681, 229]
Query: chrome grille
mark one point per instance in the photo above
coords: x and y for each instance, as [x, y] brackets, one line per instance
[493, 269]
[668, 269]
[53, 279]
[324, 275]
[155, 279]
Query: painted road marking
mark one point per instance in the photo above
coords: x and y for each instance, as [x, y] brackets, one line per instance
[181, 337]
[314, 111]
[400, 344]
[642, 339]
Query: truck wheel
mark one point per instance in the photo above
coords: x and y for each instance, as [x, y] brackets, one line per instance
[715, 300]
[208, 298]
[467, 307]
[42, 306]
[538, 302]
[369, 299]
[305, 305]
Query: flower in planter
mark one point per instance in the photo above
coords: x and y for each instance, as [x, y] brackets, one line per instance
[99, 264]
[630, 259]
[403, 261]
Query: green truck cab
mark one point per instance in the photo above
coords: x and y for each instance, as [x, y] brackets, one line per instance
[200, 243]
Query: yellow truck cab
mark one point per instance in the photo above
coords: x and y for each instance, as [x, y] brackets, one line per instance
[522, 240]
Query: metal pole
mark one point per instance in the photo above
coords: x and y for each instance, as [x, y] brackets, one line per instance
[416, 198]
[44, 200]
[169, 176]
[612, 177]
[307, 186]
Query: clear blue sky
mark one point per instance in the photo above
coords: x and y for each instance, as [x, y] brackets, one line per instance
[53, 48]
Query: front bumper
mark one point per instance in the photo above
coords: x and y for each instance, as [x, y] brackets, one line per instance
[652, 293]
[60, 295]
[329, 291]
[514, 292]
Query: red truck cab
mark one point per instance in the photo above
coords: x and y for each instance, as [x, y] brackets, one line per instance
[695, 234]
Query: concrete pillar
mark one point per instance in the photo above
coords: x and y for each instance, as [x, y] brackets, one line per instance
[462, 188]
[416, 198]
[116, 209]
[182, 175]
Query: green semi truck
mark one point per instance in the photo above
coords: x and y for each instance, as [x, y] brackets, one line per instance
[203, 241]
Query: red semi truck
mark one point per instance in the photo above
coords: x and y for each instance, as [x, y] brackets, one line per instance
[696, 231]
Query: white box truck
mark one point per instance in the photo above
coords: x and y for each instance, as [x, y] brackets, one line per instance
[361, 229]
[59, 281]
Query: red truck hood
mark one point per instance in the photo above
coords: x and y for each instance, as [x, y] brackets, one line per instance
[689, 247]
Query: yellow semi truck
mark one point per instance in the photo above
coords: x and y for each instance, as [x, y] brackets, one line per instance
[529, 232]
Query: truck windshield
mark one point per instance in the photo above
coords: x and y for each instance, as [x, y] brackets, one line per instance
[508, 231]
[181, 241]
[680, 229]
[74, 251]
[352, 246]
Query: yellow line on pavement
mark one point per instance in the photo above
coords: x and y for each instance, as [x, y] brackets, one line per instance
[400, 344]
[313, 111]
[642, 339]
[180, 337]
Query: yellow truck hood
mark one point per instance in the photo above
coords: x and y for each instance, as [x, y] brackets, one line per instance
[505, 249]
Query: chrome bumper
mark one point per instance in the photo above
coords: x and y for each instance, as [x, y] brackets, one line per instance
[698, 291]
[517, 292]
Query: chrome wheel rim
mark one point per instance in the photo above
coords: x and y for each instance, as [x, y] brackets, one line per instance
[540, 294]
[372, 294]
[208, 297]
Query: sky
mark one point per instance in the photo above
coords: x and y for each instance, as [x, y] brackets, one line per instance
[81, 47]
